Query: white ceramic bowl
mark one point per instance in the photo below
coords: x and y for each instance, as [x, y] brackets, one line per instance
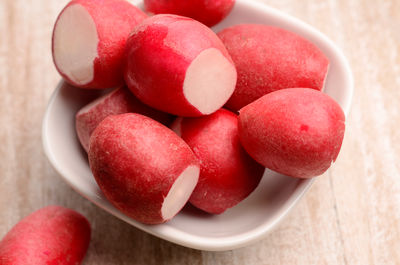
[243, 224]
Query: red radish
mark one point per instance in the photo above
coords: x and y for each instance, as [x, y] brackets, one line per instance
[268, 59]
[143, 168]
[89, 40]
[297, 132]
[52, 235]
[178, 65]
[205, 11]
[118, 101]
[228, 174]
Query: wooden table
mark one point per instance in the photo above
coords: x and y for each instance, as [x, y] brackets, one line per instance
[351, 215]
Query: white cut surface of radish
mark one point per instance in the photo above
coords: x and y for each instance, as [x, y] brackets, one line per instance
[75, 44]
[180, 192]
[210, 80]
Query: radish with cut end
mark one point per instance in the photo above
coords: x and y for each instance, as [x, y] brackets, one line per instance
[228, 174]
[206, 11]
[118, 101]
[52, 235]
[268, 59]
[297, 132]
[178, 65]
[143, 168]
[89, 40]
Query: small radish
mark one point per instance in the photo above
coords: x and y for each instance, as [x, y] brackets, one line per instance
[89, 40]
[228, 174]
[297, 132]
[118, 101]
[178, 65]
[52, 235]
[268, 59]
[143, 168]
[205, 11]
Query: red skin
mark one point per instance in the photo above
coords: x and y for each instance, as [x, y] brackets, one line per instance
[135, 161]
[208, 12]
[297, 132]
[53, 235]
[114, 21]
[227, 174]
[274, 59]
[159, 52]
[118, 101]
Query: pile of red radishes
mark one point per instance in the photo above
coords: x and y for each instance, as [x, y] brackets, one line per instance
[147, 161]
[175, 65]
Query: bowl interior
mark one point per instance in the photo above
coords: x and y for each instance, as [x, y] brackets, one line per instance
[242, 224]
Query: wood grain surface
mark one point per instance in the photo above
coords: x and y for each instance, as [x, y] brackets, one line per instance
[351, 215]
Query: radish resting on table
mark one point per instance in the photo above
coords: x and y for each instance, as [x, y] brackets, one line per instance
[53, 235]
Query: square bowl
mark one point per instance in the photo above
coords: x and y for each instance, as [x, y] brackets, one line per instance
[241, 225]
